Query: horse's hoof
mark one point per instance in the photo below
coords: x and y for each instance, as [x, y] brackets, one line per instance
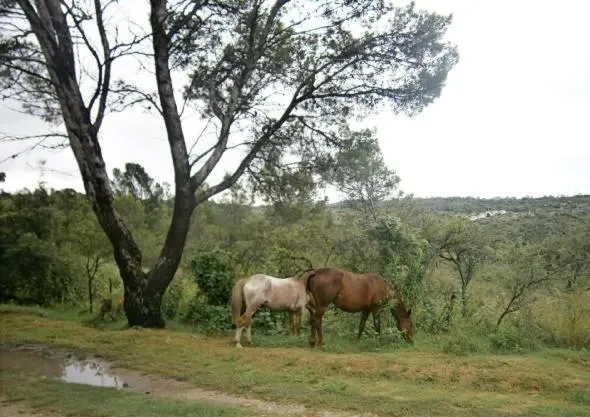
[239, 345]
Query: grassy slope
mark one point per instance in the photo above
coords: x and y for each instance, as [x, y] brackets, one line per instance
[409, 382]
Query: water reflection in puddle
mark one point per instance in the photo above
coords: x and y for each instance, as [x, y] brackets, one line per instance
[88, 371]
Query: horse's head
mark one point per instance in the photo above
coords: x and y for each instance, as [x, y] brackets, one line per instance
[404, 321]
[402, 315]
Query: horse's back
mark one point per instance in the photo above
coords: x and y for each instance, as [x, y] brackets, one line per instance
[257, 283]
[280, 294]
[288, 292]
[348, 291]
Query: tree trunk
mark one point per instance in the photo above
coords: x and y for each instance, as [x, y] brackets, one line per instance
[142, 305]
[463, 299]
[144, 292]
[448, 314]
[504, 314]
[90, 298]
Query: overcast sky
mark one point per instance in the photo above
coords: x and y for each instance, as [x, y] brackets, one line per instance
[511, 121]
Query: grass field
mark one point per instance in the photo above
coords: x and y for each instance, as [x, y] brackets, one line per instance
[417, 380]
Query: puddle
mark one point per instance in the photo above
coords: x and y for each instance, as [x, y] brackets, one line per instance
[88, 371]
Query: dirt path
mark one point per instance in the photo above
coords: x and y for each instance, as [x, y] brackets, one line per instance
[43, 361]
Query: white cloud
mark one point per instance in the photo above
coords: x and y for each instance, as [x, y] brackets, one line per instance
[510, 121]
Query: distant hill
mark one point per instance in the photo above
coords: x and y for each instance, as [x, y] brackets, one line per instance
[472, 206]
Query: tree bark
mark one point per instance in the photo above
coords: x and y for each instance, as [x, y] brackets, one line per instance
[141, 304]
[90, 299]
[464, 284]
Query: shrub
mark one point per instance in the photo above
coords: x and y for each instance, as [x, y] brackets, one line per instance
[513, 339]
[217, 319]
[464, 340]
[111, 307]
[178, 297]
[564, 320]
[214, 275]
[209, 318]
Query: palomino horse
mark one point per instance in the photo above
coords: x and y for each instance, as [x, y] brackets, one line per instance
[278, 294]
[367, 293]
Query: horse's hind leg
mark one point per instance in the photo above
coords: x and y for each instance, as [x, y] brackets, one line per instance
[316, 324]
[245, 321]
[320, 330]
[364, 316]
[312, 329]
[246, 318]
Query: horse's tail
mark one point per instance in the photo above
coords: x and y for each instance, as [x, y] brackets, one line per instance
[306, 277]
[237, 300]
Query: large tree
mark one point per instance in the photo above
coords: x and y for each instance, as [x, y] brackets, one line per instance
[275, 77]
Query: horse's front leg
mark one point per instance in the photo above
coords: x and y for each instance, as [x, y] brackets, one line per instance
[377, 320]
[364, 316]
[291, 322]
[249, 333]
[238, 336]
[295, 321]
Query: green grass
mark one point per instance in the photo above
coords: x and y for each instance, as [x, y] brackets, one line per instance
[373, 375]
[84, 400]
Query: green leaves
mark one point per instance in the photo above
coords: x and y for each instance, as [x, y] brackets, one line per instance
[359, 171]
[213, 274]
[403, 257]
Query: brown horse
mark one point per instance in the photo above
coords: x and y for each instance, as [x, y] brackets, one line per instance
[352, 293]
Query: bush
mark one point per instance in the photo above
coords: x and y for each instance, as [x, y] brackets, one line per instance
[465, 339]
[462, 344]
[434, 316]
[513, 339]
[268, 322]
[564, 320]
[178, 297]
[209, 318]
[214, 275]
[111, 307]
[217, 319]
